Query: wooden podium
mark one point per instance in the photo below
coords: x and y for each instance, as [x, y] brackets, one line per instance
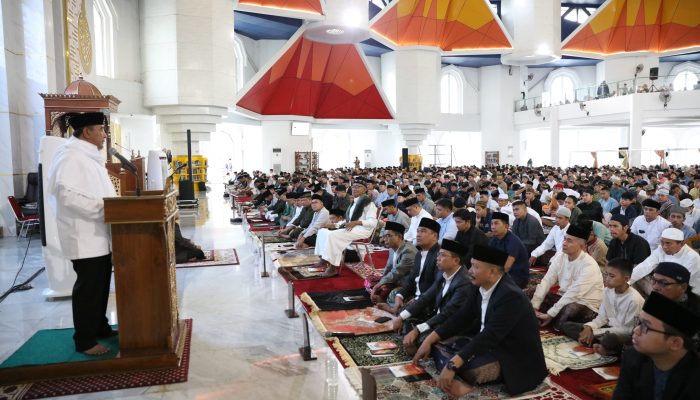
[151, 335]
[143, 254]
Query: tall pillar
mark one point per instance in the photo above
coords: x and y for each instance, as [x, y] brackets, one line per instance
[635, 131]
[499, 87]
[24, 73]
[533, 42]
[189, 73]
[416, 101]
[554, 134]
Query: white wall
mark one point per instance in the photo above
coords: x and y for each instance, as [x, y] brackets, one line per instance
[575, 145]
[339, 147]
[453, 148]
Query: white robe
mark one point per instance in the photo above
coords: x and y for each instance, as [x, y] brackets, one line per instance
[78, 184]
[331, 244]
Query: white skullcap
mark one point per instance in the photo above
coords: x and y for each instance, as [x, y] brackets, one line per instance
[685, 203]
[502, 196]
[663, 192]
[672, 234]
[564, 212]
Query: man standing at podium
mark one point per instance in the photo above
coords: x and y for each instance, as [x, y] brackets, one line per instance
[78, 183]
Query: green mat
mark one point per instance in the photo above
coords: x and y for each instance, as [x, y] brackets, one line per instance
[52, 346]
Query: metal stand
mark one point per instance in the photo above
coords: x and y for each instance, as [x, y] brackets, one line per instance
[305, 350]
[291, 312]
[264, 273]
[369, 385]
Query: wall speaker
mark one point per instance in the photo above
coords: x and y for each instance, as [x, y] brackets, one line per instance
[654, 73]
[404, 157]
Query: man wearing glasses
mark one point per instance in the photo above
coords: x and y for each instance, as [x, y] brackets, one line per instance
[672, 249]
[671, 280]
[662, 364]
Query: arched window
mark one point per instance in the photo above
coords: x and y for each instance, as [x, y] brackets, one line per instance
[684, 76]
[241, 61]
[104, 23]
[451, 91]
[561, 86]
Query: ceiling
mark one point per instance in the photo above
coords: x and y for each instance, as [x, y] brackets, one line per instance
[260, 26]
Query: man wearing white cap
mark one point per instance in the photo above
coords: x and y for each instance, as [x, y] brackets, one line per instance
[555, 238]
[692, 214]
[671, 249]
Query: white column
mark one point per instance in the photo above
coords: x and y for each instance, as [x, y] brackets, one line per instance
[635, 131]
[188, 65]
[535, 28]
[554, 134]
[23, 66]
[499, 89]
[411, 80]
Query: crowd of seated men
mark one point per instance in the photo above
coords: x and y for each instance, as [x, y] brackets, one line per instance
[618, 245]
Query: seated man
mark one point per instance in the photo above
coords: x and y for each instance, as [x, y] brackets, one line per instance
[651, 224]
[279, 204]
[626, 207]
[424, 271]
[526, 227]
[336, 219]
[425, 203]
[307, 237]
[672, 281]
[517, 265]
[468, 234]
[612, 328]
[624, 243]
[555, 238]
[580, 283]
[662, 364]
[595, 246]
[290, 209]
[185, 249]
[504, 337]
[362, 219]
[441, 301]
[398, 266]
[677, 220]
[393, 214]
[417, 213]
[483, 217]
[672, 249]
[303, 216]
[448, 228]
[341, 200]
[590, 207]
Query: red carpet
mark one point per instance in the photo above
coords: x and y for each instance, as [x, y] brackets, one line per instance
[123, 380]
[574, 381]
[346, 280]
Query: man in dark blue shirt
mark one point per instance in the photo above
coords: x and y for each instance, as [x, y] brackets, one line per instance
[517, 265]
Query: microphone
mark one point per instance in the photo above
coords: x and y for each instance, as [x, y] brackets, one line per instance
[126, 164]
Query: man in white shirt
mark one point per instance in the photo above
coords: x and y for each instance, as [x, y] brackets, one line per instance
[612, 328]
[579, 279]
[692, 214]
[671, 249]
[362, 219]
[555, 238]
[78, 184]
[416, 212]
[651, 224]
[307, 237]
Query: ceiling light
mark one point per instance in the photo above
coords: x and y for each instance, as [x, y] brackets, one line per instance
[335, 31]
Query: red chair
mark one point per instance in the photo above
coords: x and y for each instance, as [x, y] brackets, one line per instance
[25, 221]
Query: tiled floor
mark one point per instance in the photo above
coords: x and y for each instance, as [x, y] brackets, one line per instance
[243, 346]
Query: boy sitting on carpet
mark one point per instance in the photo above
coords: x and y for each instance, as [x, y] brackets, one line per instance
[613, 326]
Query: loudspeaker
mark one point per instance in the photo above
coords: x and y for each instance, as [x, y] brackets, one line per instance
[186, 190]
[654, 73]
[404, 157]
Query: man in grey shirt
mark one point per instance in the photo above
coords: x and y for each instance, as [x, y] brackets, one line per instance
[394, 214]
[398, 266]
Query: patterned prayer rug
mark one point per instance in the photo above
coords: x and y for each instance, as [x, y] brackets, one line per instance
[297, 259]
[558, 353]
[340, 300]
[214, 258]
[391, 388]
[356, 348]
[536, 275]
[364, 270]
[299, 273]
[603, 391]
[358, 322]
[101, 383]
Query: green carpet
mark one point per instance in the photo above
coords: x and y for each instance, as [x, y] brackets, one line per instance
[52, 346]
